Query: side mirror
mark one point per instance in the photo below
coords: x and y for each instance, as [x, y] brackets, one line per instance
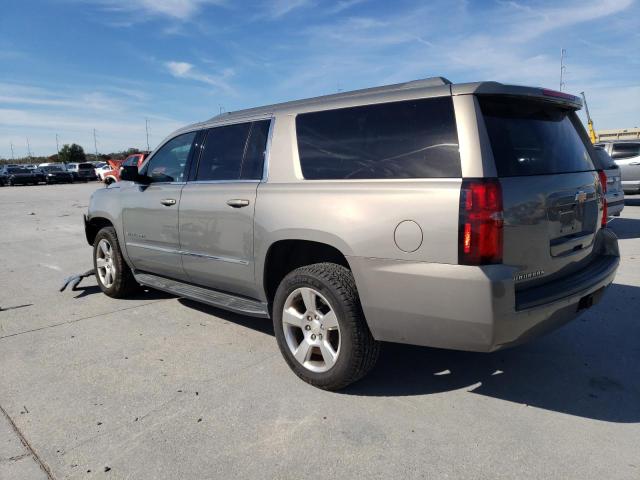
[130, 173]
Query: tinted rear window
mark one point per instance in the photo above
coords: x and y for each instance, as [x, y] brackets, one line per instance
[534, 138]
[410, 139]
[625, 150]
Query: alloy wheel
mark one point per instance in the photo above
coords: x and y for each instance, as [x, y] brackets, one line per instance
[311, 329]
[105, 264]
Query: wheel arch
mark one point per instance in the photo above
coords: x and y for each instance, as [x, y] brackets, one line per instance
[286, 254]
[93, 225]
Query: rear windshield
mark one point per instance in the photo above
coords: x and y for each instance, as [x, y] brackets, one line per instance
[534, 138]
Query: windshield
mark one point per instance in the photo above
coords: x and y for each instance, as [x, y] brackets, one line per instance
[534, 138]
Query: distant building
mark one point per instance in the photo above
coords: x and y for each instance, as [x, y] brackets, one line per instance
[619, 134]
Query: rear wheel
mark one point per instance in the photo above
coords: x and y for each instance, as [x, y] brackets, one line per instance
[112, 272]
[320, 328]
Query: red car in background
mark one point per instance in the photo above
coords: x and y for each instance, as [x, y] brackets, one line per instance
[113, 175]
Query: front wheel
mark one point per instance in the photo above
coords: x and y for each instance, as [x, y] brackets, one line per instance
[320, 327]
[113, 274]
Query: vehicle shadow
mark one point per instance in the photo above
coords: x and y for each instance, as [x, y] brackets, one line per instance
[262, 325]
[143, 294]
[590, 368]
[625, 227]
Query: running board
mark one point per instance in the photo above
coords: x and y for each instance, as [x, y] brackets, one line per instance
[204, 295]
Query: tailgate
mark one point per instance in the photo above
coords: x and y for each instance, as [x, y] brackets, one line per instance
[551, 191]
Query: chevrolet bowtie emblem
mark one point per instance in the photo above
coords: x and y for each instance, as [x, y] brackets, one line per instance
[581, 196]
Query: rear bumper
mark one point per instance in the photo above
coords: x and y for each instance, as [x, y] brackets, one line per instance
[473, 308]
[615, 208]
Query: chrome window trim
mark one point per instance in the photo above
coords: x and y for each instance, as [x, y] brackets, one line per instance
[155, 183]
[187, 252]
[205, 182]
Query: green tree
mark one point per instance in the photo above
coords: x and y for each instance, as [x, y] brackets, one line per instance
[73, 153]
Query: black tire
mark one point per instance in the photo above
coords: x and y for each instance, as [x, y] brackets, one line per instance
[124, 283]
[358, 349]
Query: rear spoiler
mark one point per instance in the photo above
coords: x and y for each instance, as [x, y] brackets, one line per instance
[495, 88]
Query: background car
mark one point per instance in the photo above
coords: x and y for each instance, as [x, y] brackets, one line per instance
[615, 195]
[82, 171]
[55, 174]
[113, 175]
[22, 176]
[101, 169]
[626, 153]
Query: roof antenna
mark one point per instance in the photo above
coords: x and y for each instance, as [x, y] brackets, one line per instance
[563, 68]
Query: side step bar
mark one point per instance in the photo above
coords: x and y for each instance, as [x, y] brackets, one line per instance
[204, 295]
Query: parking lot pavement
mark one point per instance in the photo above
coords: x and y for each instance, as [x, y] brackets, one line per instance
[159, 387]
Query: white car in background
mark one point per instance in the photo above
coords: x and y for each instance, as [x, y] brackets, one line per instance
[101, 169]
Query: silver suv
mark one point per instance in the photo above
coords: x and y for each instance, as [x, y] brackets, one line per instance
[460, 216]
[626, 154]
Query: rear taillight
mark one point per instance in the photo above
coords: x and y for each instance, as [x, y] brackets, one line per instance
[603, 183]
[480, 229]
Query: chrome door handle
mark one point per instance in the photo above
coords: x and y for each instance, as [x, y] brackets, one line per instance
[167, 202]
[237, 202]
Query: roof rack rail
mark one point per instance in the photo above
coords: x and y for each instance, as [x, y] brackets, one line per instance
[420, 83]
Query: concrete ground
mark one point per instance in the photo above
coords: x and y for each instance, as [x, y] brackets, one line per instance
[158, 387]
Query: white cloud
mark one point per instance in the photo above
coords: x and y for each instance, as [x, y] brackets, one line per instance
[188, 71]
[38, 113]
[179, 69]
[532, 22]
[344, 5]
[280, 8]
[177, 9]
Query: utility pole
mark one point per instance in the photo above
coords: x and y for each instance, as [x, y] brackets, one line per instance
[28, 147]
[57, 145]
[146, 126]
[563, 52]
[95, 143]
[11, 143]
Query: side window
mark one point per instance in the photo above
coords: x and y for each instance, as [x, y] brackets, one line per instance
[409, 139]
[221, 157]
[168, 164]
[625, 150]
[254, 155]
[129, 161]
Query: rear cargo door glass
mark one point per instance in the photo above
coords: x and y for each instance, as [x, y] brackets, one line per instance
[625, 150]
[409, 139]
[534, 138]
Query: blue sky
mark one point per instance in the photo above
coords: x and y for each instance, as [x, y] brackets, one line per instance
[74, 65]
